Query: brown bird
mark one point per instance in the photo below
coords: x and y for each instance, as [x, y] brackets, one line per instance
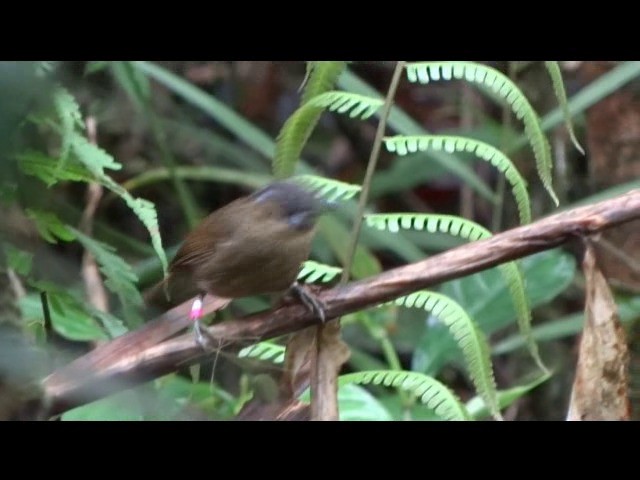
[254, 245]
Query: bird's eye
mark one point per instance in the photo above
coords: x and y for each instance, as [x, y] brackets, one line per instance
[301, 220]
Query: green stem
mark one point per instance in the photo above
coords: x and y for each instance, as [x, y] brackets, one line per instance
[387, 347]
[371, 167]
[204, 173]
[391, 357]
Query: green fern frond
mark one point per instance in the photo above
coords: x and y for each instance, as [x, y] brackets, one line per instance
[491, 78]
[558, 87]
[297, 129]
[430, 391]
[467, 335]
[119, 277]
[332, 190]
[321, 77]
[50, 170]
[49, 226]
[405, 144]
[471, 231]
[96, 160]
[314, 271]
[68, 112]
[430, 222]
[264, 351]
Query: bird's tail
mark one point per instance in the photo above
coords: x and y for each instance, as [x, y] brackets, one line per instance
[169, 292]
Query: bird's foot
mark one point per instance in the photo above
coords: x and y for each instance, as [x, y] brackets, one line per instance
[313, 303]
[203, 337]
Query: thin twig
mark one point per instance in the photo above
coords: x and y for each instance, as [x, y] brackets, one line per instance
[90, 273]
[618, 253]
[324, 374]
[137, 357]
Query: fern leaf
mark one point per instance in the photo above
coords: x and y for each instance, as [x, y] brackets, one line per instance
[471, 231]
[49, 226]
[467, 335]
[321, 77]
[430, 391]
[68, 112]
[404, 144]
[314, 271]
[133, 81]
[432, 223]
[264, 351]
[119, 277]
[333, 190]
[297, 129]
[491, 78]
[51, 170]
[96, 160]
[558, 87]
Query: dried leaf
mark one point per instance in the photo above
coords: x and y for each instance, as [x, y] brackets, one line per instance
[301, 349]
[324, 387]
[600, 388]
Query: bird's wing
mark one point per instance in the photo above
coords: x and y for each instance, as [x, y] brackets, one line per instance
[203, 241]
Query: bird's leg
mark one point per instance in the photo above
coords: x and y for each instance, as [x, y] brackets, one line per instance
[309, 300]
[203, 337]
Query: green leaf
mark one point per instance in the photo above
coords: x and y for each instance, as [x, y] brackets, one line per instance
[313, 271]
[299, 126]
[468, 230]
[356, 404]
[229, 119]
[628, 309]
[406, 144]
[600, 88]
[17, 259]
[478, 409]
[329, 188]
[95, 66]
[402, 123]
[467, 336]
[49, 226]
[68, 315]
[365, 264]
[68, 112]
[198, 173]
[264, 351]
[114, 326]
[558, 87]
[133, 81]
[444, 403]
[121, 407]
[491, 78]
[87, 164]
[321, 77]
[485, 297]
[96, 160]
[120, 278]
[177, 396]
[51, 171]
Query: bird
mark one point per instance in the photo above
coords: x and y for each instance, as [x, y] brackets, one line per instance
[252, 246]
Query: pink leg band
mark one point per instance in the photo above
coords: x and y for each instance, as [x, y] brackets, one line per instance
[196, 309]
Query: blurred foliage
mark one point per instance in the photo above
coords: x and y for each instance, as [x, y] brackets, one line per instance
[176, 140]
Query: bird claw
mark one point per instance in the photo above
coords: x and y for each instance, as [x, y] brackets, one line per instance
[203, 337]
[313, 304]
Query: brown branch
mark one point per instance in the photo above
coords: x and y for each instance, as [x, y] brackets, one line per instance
[139, 358]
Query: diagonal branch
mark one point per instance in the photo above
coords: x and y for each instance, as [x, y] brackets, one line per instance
[139, 357]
